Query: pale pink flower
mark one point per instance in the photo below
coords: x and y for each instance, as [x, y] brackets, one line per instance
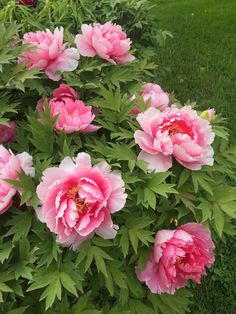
[108, 41]
[7, 132]
[73, 114]
[49, 53]
[155, 94]
[78, 199]
[10, 167]
[178, 256]
[208, 114]
[180, 133]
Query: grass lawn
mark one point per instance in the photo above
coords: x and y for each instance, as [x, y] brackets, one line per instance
[201, 59]
[200, 64]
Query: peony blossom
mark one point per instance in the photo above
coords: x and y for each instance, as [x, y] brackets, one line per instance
[108, 41]
[177, 256]
[155, 94]
[180, 133]
[49, 53]
[72, 113]
[7, 132]
[77, 200]
[10, 167]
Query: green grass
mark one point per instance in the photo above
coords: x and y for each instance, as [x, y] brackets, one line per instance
[200, 64]
[201, 59]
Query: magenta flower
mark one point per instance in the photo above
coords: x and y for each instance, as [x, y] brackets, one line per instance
[178, 256]
[27, 2]
[7, 132]
[108, 41]
[73, 114]
[153, 92]
[10, 166]
[180, 133]
[78, 199]
[49, 53]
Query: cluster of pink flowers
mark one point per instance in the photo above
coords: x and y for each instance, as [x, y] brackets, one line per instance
[77, 199]
[48, 52]
[72, 113]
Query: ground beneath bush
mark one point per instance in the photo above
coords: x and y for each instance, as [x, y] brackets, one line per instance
[200, 64]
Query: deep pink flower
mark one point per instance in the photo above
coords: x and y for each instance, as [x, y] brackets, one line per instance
[73, 114]
[49, 53]
[27, 2]
[180, 133]
[155, 94]
[78, 199]
[7, 132]
[108, 41]
[10, 166]
[177, 256]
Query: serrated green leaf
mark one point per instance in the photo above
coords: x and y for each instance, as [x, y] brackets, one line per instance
[68, 283]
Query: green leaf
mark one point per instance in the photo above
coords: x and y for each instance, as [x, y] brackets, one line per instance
[124, 241]
[19, 310]
[219, 219]
[21, 224]
[68, 283]
[5, 251]
[52, 292]
[5, 288]
[177, 303]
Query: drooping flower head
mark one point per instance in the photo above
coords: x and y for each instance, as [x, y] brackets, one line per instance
[108, 41]
[155, 94]
[7, 132]
[49, 53]
[180, 133]
[73, 114]
[10, 167]
[77, 200]
[178, 256]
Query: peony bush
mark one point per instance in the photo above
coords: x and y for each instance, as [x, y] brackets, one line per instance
[113, 195]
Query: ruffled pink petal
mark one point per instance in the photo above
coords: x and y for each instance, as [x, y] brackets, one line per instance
[158, 162]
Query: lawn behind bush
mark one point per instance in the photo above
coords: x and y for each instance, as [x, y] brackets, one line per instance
[199, 64]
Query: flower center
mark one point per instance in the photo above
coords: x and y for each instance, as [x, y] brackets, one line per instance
[73, 194]
[179, 260]
[177, 126]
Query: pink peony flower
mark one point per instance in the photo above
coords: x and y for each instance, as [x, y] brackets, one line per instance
[158, 97]
[10, 166]
[49, 53]
[180, 133]
[108, 41]
[73, 115]
[78, 199]
[177, 256]
[7, 132]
